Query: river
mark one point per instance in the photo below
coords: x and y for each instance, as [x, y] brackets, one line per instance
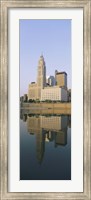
[45, 147]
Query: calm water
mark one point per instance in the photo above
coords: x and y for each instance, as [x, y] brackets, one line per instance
[45, 147]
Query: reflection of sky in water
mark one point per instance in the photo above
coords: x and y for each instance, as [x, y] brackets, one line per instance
[45, 152]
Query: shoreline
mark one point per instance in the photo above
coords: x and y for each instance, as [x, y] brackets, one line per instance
[46, 108]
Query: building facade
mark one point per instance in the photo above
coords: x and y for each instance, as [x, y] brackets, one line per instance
[32, 91]
[61, 79]
[54, 93]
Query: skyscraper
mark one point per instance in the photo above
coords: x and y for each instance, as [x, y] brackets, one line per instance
[40, 90]
[61, 79]
[34, 89]
[51, 80]
[41, 75]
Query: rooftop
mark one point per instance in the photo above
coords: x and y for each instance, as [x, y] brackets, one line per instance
[32, 82]
[51, 87]
[61, 73]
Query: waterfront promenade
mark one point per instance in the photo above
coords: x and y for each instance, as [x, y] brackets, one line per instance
[46, 108]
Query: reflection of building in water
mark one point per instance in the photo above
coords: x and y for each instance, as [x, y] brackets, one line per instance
[47, 129]
[49, 136]
[40, 145]
[33, 127]
[61, 137]
[53, 122]
[21, 114]
[69, 121]
[33, 124]
[24, 117]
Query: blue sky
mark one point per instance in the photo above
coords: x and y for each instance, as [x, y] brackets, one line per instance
[52, 38]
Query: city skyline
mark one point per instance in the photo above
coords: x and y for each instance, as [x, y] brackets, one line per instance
[34, 34]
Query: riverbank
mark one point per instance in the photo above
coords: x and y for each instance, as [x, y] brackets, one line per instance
[47, 108]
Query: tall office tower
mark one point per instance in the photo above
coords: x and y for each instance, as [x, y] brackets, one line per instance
[41, 76]
[51, 80]
[61, 79]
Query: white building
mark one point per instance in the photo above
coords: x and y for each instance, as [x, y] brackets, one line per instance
[54, 93]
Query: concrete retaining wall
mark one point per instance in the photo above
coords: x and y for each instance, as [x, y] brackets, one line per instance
[47, 108]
